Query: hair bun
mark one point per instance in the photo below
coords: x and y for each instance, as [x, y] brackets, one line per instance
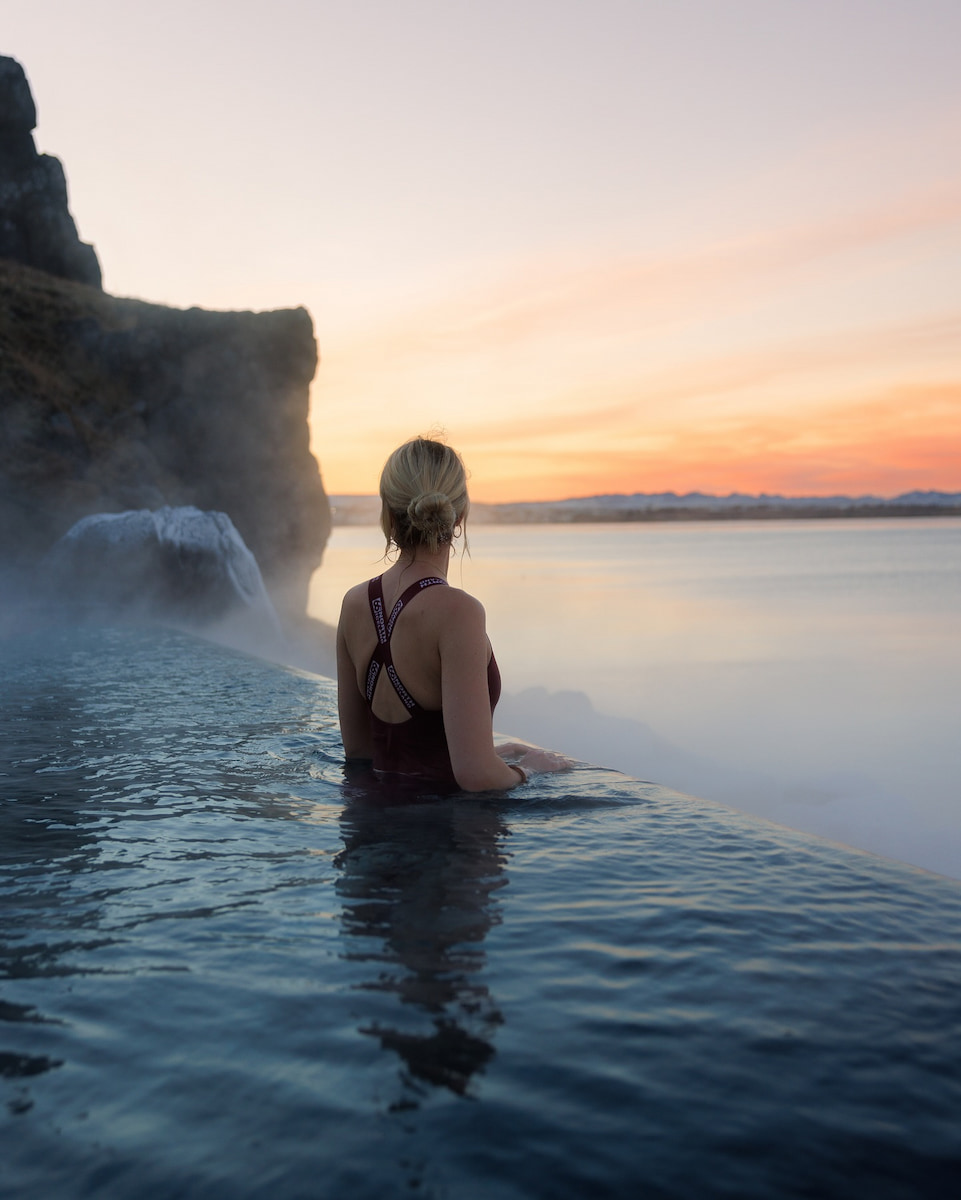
[432, 514]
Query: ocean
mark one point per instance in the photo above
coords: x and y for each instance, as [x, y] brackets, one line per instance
[229, 972]
[805, 671]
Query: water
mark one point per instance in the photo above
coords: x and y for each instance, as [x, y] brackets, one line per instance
[227, 973]
[805, 671]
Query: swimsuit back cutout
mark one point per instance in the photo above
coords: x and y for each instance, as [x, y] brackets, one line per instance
[416, 747]
[384, 625]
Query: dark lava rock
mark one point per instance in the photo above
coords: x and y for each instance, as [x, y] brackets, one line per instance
[36, 227]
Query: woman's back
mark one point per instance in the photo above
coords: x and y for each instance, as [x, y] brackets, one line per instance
[414, 645]
[417, 682]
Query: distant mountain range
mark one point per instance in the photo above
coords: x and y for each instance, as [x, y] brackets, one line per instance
[669, 506]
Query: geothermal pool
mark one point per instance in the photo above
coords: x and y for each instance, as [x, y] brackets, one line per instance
[228, 972]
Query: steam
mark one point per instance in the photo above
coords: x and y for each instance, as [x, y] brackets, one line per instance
[831, 714]
[809, 674]
[904, 809]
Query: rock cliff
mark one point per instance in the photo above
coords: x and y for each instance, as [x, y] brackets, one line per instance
[36, 227]
[109, 404]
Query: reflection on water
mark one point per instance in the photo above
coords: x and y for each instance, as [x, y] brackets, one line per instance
[23, 1066]
[418, 885]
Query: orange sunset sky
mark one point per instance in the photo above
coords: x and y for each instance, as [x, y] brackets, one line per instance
[608, 246]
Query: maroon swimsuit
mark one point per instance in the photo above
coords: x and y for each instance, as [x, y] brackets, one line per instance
[418, 745]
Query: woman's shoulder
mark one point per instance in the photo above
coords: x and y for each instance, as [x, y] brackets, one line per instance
[356, 598]
[460, 606]
[455, 597]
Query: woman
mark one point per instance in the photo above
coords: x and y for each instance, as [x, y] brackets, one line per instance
[417, 680]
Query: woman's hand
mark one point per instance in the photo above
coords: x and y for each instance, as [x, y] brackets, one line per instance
[513, 750]
[533, 758]
[545, 761]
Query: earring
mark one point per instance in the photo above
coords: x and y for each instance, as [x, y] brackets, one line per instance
[457, 530]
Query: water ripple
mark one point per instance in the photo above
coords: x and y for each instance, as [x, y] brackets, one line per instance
[224, 972]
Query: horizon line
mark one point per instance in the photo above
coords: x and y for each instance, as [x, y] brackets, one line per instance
[872, 496]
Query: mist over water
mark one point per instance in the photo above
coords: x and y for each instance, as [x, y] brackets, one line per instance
[808, 672]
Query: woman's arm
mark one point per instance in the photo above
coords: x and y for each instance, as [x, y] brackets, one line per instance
[465, 699]
[351, 705]
[464, 651]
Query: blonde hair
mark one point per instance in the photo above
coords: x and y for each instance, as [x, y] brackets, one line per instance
[423, 492]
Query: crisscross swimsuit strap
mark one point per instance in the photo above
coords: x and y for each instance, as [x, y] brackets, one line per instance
[384, 625]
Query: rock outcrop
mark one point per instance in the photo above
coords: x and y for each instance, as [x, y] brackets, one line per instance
[36, 227]
[172, 564]
[109, 404]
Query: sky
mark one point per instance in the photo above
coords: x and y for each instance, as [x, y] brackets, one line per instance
[605, 245]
